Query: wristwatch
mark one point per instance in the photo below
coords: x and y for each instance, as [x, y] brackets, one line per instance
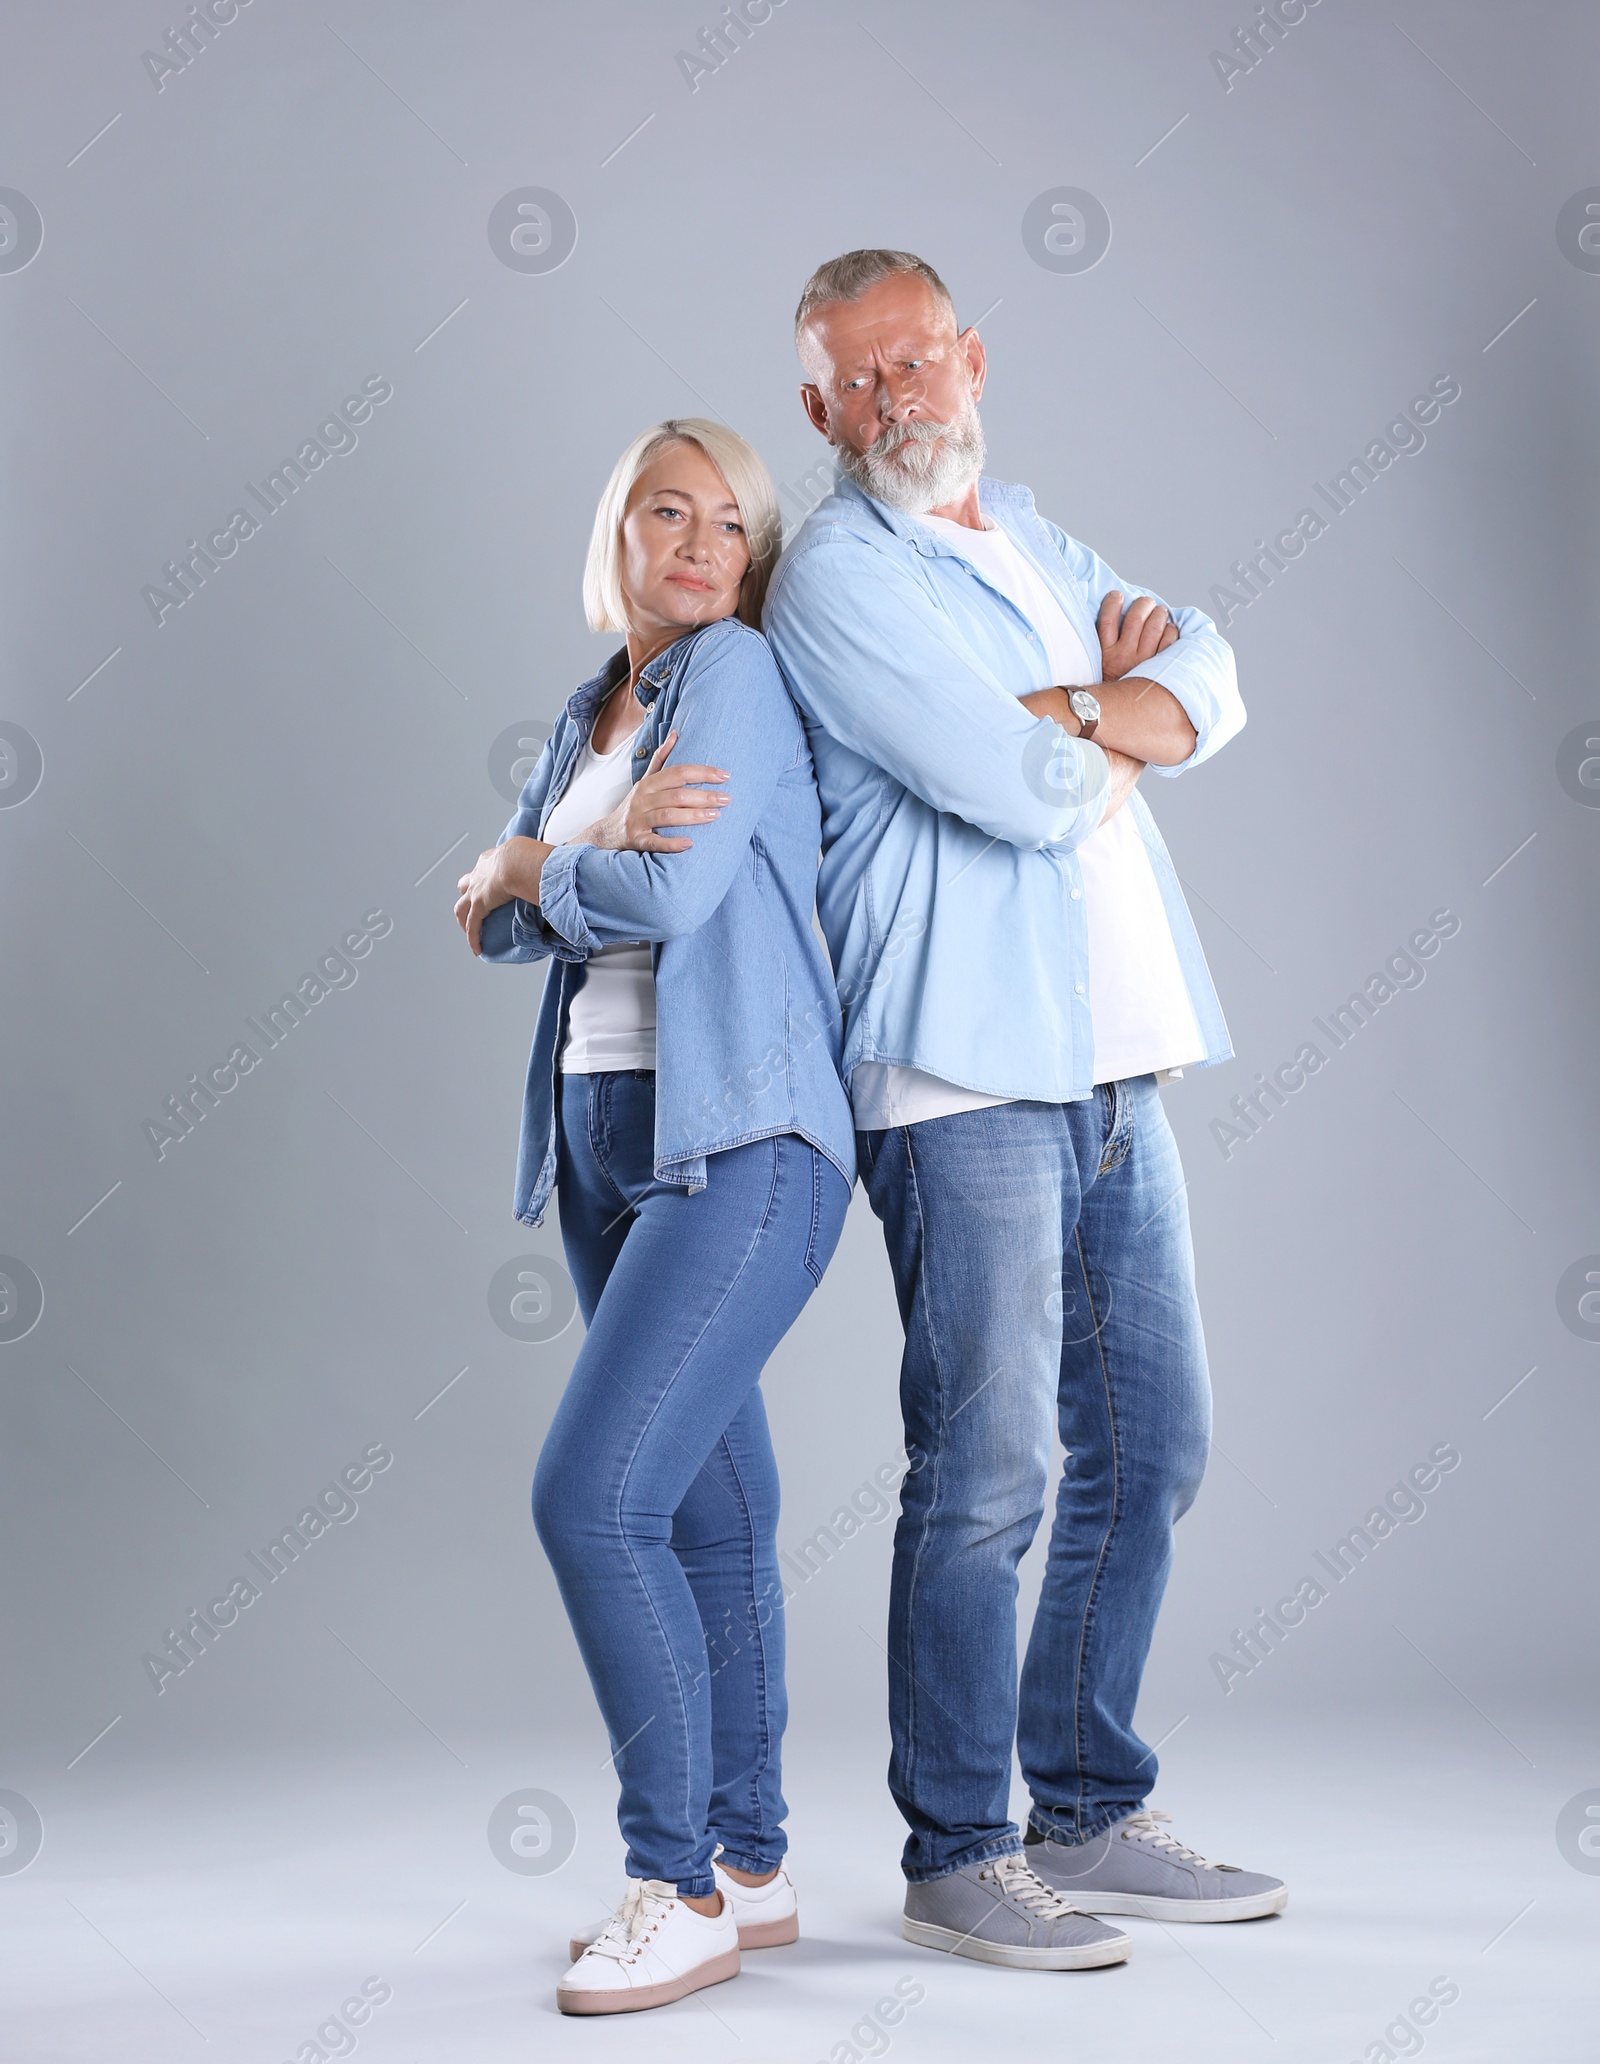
[1086, 708]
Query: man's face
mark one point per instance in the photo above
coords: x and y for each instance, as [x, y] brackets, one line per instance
[894, 389]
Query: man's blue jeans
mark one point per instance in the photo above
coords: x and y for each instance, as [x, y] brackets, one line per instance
[656, 1495]
[1042, 1261]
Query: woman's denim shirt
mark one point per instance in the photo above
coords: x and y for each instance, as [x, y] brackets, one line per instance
[747, 1016]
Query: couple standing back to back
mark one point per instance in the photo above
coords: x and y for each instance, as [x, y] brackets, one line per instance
[956, 702]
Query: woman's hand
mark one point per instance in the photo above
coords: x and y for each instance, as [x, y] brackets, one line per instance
[502, 874]
[1128, 638]
[661, 796]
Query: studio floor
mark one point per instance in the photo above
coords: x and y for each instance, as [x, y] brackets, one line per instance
[230, 1911]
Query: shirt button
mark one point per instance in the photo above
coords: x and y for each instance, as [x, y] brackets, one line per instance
[1077, 895]
[1079, 987]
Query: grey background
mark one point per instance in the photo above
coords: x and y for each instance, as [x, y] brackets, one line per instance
[303, 740]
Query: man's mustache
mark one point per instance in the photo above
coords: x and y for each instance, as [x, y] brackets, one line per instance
[915, 463]
[919, 430]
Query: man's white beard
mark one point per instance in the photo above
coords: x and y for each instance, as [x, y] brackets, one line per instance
[904, 469]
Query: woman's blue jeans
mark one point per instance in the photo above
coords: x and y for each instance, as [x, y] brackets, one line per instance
[656, 1495]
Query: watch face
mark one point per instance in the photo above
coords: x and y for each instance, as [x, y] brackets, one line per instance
[1084, 705]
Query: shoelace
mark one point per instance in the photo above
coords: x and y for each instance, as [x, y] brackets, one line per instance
[646, 1900]
[1143, 1827]
[1020, 1881]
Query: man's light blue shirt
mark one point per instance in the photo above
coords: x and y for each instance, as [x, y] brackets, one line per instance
[950, 893]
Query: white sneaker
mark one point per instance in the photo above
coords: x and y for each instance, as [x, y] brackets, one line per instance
[767, 1915]
[654, 1949]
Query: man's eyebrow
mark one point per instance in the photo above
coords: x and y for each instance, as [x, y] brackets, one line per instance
[902, 347]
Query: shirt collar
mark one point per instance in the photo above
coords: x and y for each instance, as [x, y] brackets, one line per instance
[586, 700]
[993, 497]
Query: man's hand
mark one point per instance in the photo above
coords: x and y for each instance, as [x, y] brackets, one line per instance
[1136, 715]
[1125, 774]
[501, 875]
[660, 796]
[1129, 637]
[1125, 770]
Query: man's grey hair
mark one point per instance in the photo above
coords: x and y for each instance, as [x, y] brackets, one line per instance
[848, 278]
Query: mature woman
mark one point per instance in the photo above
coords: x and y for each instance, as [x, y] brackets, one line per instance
[684, 1104]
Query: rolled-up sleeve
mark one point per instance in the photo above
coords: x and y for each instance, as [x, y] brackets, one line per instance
[513, 934]
[559, 914]
[731, 712]
[1198, 670]
[877, 664]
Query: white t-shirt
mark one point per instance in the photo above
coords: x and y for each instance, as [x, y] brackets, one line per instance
[1143, 1021]
[612, 1021]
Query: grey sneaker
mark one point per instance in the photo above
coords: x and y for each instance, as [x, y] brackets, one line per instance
[1137, 1868]
[1001, 1912]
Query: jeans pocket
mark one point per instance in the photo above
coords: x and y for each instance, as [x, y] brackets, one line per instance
[1119, 1128]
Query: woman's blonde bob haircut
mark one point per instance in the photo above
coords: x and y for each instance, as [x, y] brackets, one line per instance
[749, 483]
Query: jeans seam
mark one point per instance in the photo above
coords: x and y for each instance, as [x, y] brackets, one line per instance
[811, 1268]
[622, 1529]
[756, 1817]
[598, 1087]
[913, 1721]
[1111, 1523]
[645, 1592]
[772, 1194]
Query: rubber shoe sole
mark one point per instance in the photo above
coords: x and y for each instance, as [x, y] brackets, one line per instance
[769, 1934]
[1086, 1957]
[1256, 1906]
[635, 1999]
[752, 1935]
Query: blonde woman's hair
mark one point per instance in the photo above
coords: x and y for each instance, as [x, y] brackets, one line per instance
[749, 483]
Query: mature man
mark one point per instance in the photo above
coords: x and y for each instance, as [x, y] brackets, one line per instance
[1019, 972]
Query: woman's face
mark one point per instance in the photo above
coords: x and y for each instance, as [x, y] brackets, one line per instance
[684, 551]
